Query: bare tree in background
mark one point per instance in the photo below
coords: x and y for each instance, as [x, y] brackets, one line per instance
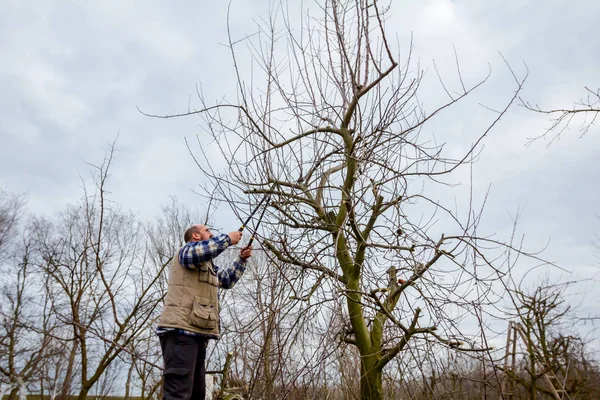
[270, 333]
[331, 126]
[80, 294]
[550, 352]
[101, 291]
[26, 320]
[144, 359]
[11, 208]
[585, 112]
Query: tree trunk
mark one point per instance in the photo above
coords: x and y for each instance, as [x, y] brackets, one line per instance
[267, 361]
[129, 380]
[66, 386]
[83, 393]
[14, 393]
[371, 384]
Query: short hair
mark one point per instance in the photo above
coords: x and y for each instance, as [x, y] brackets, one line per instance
[187, 237]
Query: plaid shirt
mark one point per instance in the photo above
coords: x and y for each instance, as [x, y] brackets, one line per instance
[195, 253]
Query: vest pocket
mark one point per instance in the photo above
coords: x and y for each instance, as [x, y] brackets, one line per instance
[206, 273]
[204, 314]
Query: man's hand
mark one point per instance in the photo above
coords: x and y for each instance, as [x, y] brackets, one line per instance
[246, 252]
[235, 237]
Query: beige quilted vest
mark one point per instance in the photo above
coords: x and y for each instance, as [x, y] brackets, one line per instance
[192, 299]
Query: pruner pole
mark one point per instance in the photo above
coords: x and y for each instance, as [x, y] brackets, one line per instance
[262, 214]
[253, 212]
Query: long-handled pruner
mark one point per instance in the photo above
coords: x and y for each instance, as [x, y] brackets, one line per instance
[254, 212]
[258, 222]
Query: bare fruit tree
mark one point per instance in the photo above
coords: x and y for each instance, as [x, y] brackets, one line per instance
[331, 126]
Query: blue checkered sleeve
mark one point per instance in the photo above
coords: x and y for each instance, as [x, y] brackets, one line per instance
[195, 253]
[230, 275]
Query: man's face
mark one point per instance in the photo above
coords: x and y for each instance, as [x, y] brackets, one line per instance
[202, 233]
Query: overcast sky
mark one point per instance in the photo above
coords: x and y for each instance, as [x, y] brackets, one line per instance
[73, 73]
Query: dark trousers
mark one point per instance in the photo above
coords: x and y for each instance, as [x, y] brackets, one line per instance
[185, 372]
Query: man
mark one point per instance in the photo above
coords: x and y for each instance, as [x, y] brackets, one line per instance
[191, 313]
